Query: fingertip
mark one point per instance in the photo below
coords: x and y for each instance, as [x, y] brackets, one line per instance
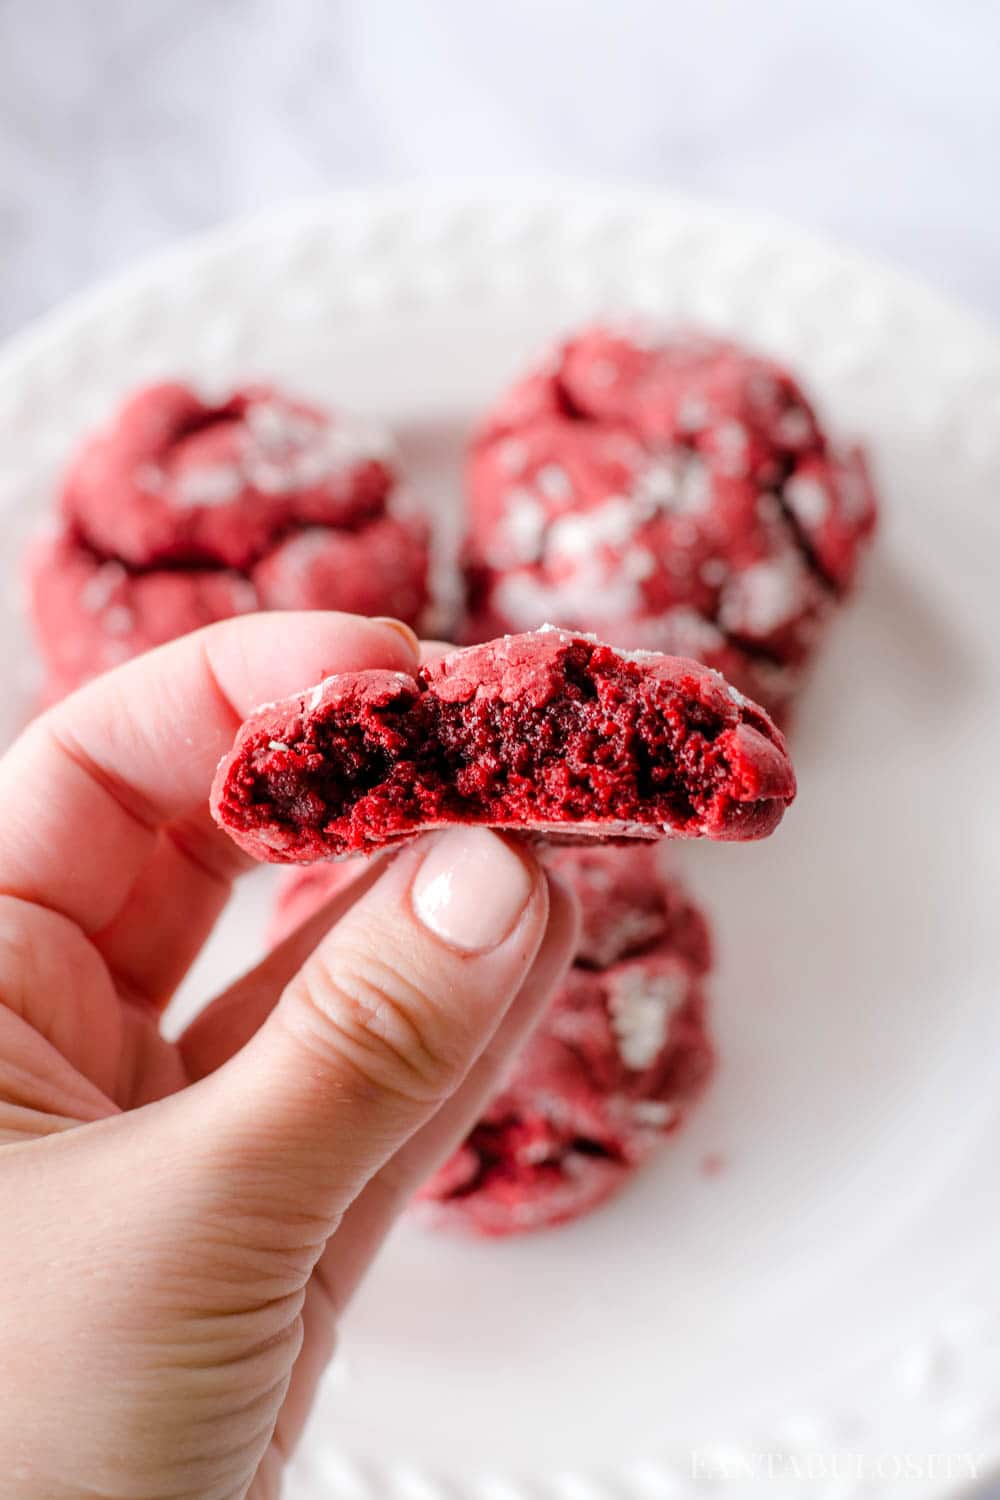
[473, 888]
[408, 636]
[259, 658]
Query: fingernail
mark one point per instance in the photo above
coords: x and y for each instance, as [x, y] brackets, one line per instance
[404, 630]
[471, 889]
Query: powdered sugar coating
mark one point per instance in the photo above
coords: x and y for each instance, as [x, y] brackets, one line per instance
[641, 1006]
[177, 479]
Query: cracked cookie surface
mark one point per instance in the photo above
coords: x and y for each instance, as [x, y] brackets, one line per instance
[181, 512]
[678, 495]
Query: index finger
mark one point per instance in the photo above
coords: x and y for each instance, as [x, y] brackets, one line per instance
[88, 788]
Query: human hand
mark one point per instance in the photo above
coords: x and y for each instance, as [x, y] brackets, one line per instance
[183, 1222]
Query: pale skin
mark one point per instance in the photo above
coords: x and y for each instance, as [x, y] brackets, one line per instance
[183, 1222]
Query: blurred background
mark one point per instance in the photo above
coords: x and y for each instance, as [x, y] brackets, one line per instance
[127, 123]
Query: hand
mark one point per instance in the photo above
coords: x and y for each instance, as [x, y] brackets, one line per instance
[183, 1222]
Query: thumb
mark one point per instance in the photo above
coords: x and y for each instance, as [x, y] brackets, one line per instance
[374, 1033]
[193, 1224]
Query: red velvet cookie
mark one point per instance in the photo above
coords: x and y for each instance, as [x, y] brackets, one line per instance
[612, 1067]
[91, 615]
[181, 513]
[678, 496]
[379, 569]
[177, 479]
[629, 903]
[545, 732]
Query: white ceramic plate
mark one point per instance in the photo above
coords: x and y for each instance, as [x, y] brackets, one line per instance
[826, 1303]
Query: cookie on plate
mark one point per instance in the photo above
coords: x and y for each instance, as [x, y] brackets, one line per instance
[182, 512]
[678, 495]
[176, 479]
[90, 615]
[613, 1066]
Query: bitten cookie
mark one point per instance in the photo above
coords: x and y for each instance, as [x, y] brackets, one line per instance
[545, 732]
[182, 512]
[677, 495]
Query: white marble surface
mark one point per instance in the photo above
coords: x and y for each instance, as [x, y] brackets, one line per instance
[127, 123]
